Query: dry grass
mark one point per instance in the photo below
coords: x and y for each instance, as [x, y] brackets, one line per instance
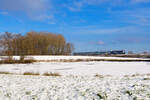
[132, 56]
[17, 61]
[31, 73]
[5, 73]
[51, 74]
[99, 76]
[88, 60]
[146, 78]
[134, 75]
[126, 76]
[148, 74]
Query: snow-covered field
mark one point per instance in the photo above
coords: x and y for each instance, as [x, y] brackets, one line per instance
[77, 80]
[79, 57]
[14, 87]
[58, 58]
[80, 68]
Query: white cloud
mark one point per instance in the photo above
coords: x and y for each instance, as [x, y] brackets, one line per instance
[140, 1]
[100, 43]
[137, 16]
[4, 13]
[32, 8]
[24, 5]
[76, 6]
[43, 17]
[91, 30]
[95, 30]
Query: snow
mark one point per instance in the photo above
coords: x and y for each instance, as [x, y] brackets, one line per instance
[76, 57]
[80, 68]
[45, 58]
[16, 87]
[78, 80]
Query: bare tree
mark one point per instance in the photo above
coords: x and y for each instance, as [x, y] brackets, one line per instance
[6, 43]
[35, 43]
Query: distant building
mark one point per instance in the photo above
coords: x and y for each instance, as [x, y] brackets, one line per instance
[117, 52]
[114, 52]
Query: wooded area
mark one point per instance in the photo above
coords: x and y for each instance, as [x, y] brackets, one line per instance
[34, 43]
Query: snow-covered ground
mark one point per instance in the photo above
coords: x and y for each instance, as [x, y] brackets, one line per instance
[45, 58]
[18, 87]
[77, 80]
[77, 57]
[80, 68]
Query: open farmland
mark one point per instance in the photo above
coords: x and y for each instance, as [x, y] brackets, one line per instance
[79, 68]
[78, 65]
[92, 80]
[77, 58]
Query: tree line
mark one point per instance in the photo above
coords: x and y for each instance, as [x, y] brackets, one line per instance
[34, 43]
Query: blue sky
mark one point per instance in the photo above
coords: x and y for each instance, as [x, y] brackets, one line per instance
[91, 25]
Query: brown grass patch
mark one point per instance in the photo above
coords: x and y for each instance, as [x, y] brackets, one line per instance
[99, 76]
[148, 74]
[17, 61]
[51, 74]
[5, 73]
[134, 75]
[30, 73]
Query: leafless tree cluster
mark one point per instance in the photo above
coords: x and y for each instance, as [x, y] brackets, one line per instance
[34, 43]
